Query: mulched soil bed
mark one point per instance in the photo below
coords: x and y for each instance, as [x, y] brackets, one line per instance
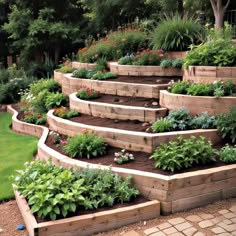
[141, 162]
[128, 101]
[154, 80]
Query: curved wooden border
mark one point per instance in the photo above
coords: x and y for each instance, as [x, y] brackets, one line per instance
[70, 85]
[196, 104]
[116, 111]
[80, 65]
[209, 74]
[176, 193]
[131, 140]
[88, 224]
[144, 70]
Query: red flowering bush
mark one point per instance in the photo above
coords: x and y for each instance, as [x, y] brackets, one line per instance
[34, 118]
[86, 93]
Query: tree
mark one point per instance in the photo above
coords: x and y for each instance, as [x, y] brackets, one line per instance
[219, 10]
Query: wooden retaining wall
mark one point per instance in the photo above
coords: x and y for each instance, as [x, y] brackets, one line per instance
[196, 104]
[209, 74]
[144, 70]
[116, 111]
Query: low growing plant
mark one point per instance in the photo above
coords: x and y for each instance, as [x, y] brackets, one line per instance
[64, 113]
[162, 125]
[56, 100]
[123, 157]
[166, 63]
[86, 93]
[85, 145]
[34, 118]
[183, 153]
[126, 60]
[203, 121]
[103, 75]
[227, 154]
[179, 87]
[66, 69]
[226, 125]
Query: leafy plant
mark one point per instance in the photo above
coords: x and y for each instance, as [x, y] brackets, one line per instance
[60, 112]
[203, 121]
[177, 63]
[86, 93]
[227, 154]
[86, 145]
[176, 34]
[126, 60]
[103, 75]
[56, 100]
[66, 69]
[183, 153]
[180, 119]
[226, 125]
[162, 125]
[179, 87]
[123, 157]
[200, 90]
[72, 113]
[81, 73]
[166, 63]
[44, 84]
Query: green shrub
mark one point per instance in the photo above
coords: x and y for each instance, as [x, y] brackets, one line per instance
[176, 34]
[162, 125]
[55, 100]
[183, 154]
[85, 145]
[177, 63]
[227, 154]
[35, 118]
[179, 87]
[126, 60]
[180, 119]
[60, 112]
[203, 121]
[166, 63]
[4, 76]
[66, 69]
[226, 125]
[200, 90]
[103, 75]
[86, 93]
[81, 73]
[38, 103]
[72, 113]
[49, 84]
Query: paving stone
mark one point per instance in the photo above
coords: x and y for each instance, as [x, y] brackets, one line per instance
[205, 224]
[158, 234]
[194, 218]
[177, 234]
[231, 228]
[224, 211]
[131, 233]
[164, 226]
[229, 215]
[151, 230]
[183, 226]
[206, 216]
[170, 230]
[233, 208]
[218, 230]
[223, 225]
[199, 234]
[227, 222]
[233, 233]
[233, 220]
[176, 221]
[218, 219]
[224, 234]
[1, 230]
[189, 231]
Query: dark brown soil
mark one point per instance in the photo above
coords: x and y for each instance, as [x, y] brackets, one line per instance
[145, 79]
[128, 101]
[132, 125]
[141, 162]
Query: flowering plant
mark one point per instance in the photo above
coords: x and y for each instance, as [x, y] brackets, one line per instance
[86, 93]
[58, 139]
[123, 157]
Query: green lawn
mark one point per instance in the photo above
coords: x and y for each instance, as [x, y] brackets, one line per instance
[15, 150]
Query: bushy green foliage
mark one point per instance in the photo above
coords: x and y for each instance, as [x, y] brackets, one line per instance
[177, 63]
[72, 113]
[34, 118]
[38, 103]
[66, 69]
[179, 87]
[86, 93]
[226, 125]
[81, 73]
[53, 192]
[176, 34]
[64, 113]
[45, 84]
[227, 154]
[162, 125]
[103, 75]
[180, 119]
[200, 90]
[126, 60]
[54, 100]
[166, 63]
[86, 145]
[183, 153]
[203, 121]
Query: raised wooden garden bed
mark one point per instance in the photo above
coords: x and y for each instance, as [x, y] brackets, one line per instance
[80, 65]
[209, 74]
[144, 70]
[70, 85]
[176, 193]
[196, 104]
[131, 140]
[113, 111]
[176, 55]
[90, 223]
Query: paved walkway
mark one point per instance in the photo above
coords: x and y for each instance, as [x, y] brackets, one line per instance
[221, 223]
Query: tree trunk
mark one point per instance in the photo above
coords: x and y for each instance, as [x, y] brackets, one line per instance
[57, 54]
[219, 20]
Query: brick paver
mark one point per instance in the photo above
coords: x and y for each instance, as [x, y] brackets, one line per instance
[176, 221]
[183, 226]
[205, 224]
[170, 231]
[193, 218]
[206, 216]
[151, 230]
[164, 226]
[190, 231]
[218, 230]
